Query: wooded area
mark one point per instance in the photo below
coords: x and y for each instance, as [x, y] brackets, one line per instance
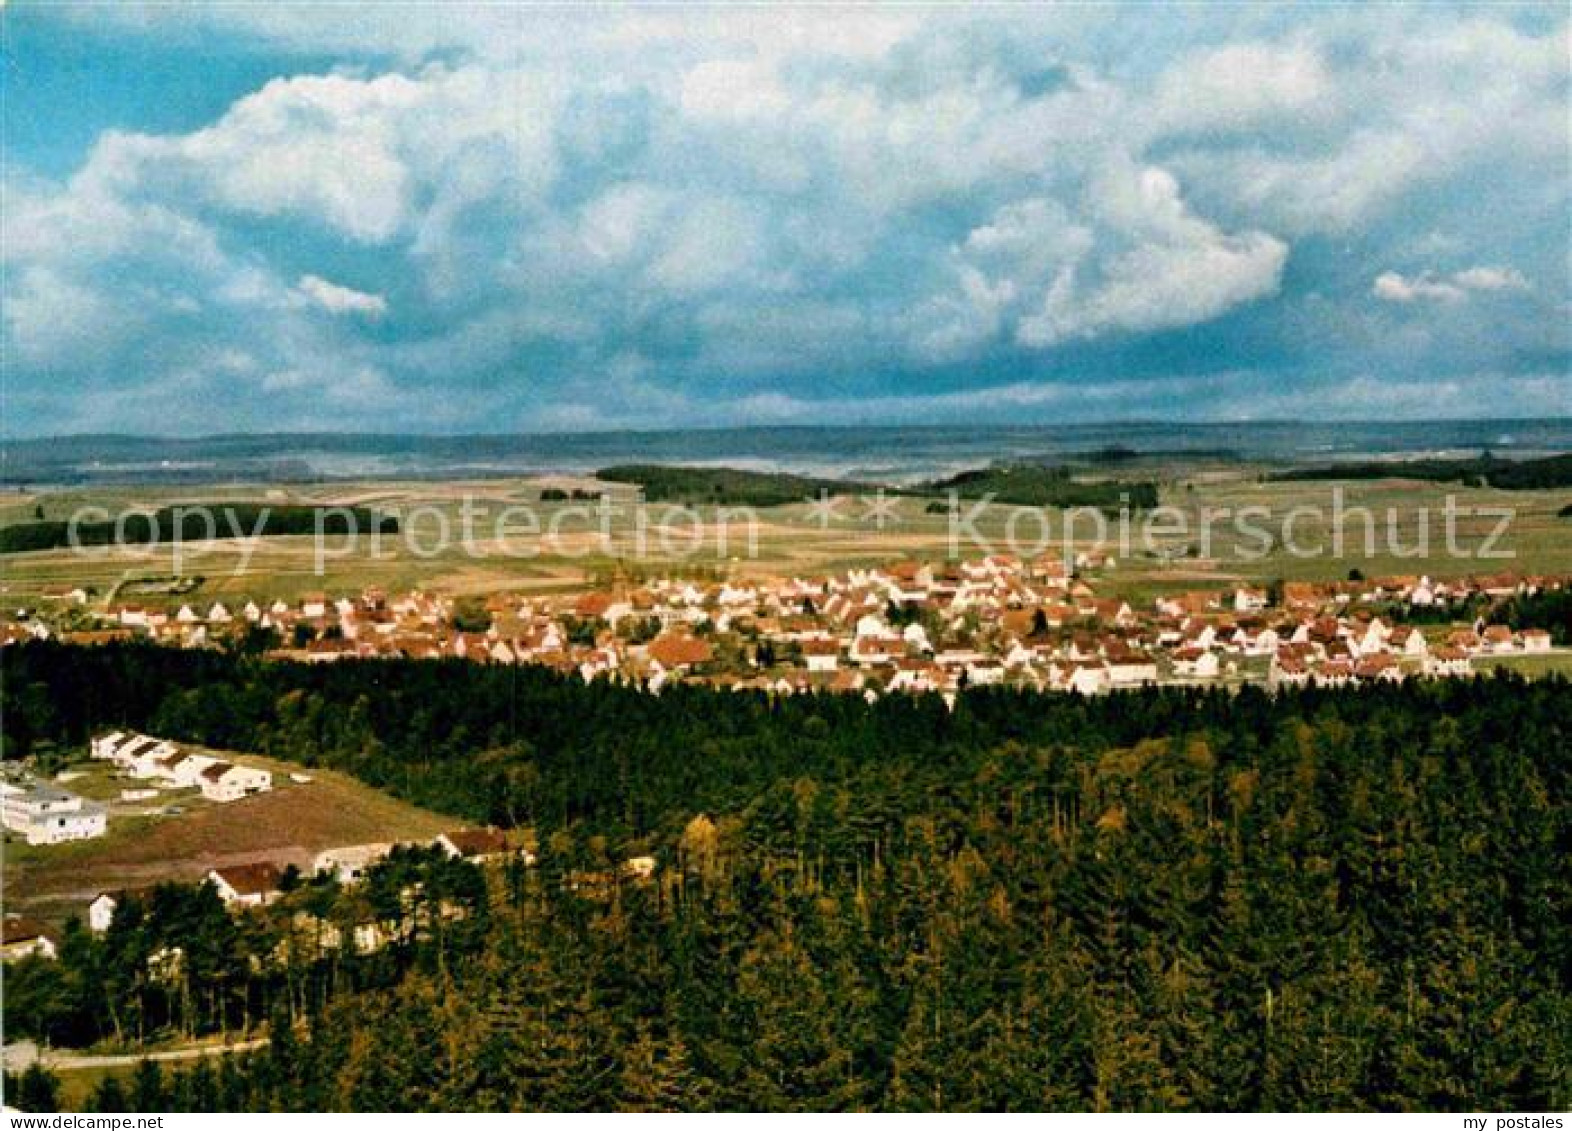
[1163, 899]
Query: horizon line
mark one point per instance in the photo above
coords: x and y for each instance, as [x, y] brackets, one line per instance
[1265, 422]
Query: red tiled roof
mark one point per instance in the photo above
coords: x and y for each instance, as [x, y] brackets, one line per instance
[15, 929]
[251, 879]
[675, 651]
[478, 842]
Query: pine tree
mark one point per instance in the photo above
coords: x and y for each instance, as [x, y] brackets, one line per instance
[37, 1090]
[109, 1097]
[147, 1087]
[655, 1075]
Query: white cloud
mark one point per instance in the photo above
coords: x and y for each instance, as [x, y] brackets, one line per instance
[1131, 257]
[1491, 279]
[325, 147]
[1392, 286]
[1161, 286]
[1408, 103]
[733, 89]
[1243, 85]
[340, 300]
[713, 241]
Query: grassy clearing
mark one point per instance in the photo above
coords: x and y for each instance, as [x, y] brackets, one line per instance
[292, 823]
[1532, 666]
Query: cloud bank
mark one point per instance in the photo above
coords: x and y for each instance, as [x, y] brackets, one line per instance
[512, 219]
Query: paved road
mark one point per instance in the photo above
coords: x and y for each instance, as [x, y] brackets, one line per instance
[68, 1060]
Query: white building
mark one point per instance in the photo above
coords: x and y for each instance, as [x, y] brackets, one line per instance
[1448, 662]
[350, 863]
[1087, 679]
[101, 912]
[137, 752]
[1536, 640]
[1247, 600]
[46, 815]
[104, 745]
[228, 781]
[822, 655]
[247, 885]
[22, 938]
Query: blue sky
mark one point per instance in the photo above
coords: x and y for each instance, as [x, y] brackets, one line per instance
[421, 218]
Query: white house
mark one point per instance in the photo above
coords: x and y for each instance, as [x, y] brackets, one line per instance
[1088, 679]
[104, 745]
[1536, 640]
[1498, 639]
[1410, 642]
[46, 815]
[1248, 600]
[821, 655]
[350, 863]
[138, 754]
[1196, 663]
[22, 938]
[1446, 661]
[147, 756]
[1263, 643]
[479, 845]
[1128, 667]
[101, 911]
[247, 885]
[183, 769]
[1373, 639]
[229, 781]
[982, 673]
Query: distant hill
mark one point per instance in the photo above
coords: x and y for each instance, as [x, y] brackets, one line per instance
[1485, 470]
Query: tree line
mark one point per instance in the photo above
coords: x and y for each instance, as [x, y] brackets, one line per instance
[192, 522]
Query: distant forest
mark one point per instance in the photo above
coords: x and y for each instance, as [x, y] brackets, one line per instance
[190, 522]
[724, 486]
[1032, 485]
[1163, 899]
[1022, 484]
[1484, 471]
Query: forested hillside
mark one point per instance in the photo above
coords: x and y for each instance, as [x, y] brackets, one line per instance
[1160, 899]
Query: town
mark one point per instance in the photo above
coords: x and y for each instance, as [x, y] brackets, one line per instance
[906, 627]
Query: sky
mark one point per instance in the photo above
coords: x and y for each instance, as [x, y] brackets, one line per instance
[410, 217]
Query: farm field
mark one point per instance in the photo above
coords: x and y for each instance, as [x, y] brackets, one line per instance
[561, 547]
